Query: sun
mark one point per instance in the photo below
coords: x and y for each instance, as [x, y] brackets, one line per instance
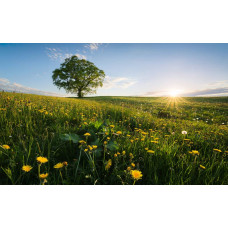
[174, 93]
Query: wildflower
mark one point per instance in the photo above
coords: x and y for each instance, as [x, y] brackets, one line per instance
[65, 163]
[115, 155]
[90, 147]
[82, 142]
[85, 123]
[94, 147]
[128, 168]
[123, 153]
[128, 135]
[131, 155]
[108, 165]
[132, 141]
[186, 139]
[58, 166]
[150, 151]
[217, 150]
[184, 132]
[154, 141]
[87, 134]
[203, 167]
[118, 153]
[105, 142]
[43, 175]
[194, 152]
[136, 174]
[26, 168]
[119, 132]
[86, 150]
[133, 165]
[6, 147]
[112, 126]
[42, 159]
[146, 148]
[108, 138]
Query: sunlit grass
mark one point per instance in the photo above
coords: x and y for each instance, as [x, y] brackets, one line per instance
[113, 140]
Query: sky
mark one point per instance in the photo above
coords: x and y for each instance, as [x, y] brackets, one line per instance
[132, 69]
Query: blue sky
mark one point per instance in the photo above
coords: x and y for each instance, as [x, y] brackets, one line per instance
[131, 69]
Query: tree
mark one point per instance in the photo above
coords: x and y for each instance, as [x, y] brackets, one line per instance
[78, 76]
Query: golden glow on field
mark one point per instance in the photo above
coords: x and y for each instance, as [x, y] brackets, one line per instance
[174, 93]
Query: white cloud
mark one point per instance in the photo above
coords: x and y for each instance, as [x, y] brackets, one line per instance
[92, 46]
[4, 81]
[58, 55]
[119, 82]
[6, 85]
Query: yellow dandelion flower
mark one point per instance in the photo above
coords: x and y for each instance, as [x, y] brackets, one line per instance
[6, 147]
[26, 168]
[203, 167]
[136, 174]
[217, 150]
[58, 166]
[86, 150]
[119, 132]
[115, 155]
[112, 126]
[150, 151]
[43, 175]
[42, 159]
[82, 142]
[87, 134]
[131, 155]
[194, 152]
[105, 142]
[65, 163]
[132, 141]
[94, 147]
[128, 168]
[123, 153]
[146, 148]
[108, 165]
[108, 138]
[133, 165]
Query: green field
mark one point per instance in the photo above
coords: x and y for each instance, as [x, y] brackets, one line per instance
[130, 140]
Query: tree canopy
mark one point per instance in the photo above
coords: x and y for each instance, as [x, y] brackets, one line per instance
[78, 76]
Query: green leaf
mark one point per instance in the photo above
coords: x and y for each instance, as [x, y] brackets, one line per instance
[112, 146]
[70, 137]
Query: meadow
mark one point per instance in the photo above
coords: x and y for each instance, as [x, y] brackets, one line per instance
[113, 140]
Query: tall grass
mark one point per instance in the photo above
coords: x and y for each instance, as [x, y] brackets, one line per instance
[125, 134]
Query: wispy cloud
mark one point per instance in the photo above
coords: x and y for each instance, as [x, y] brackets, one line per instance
[92, 46]
[118, 82]
[218, 88]
[8, 86]
[59, 55]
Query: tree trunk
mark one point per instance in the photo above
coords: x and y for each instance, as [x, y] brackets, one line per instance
[79, 93]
